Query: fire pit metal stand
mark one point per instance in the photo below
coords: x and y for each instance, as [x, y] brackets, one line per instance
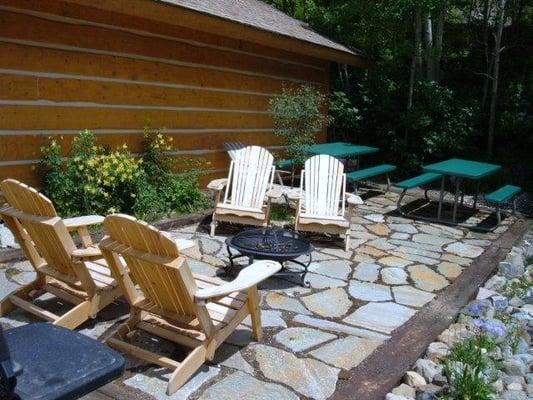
[279, 245]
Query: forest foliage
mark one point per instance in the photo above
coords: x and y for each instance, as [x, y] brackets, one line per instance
[447, 78]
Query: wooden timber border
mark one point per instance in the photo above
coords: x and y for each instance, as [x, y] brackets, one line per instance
[378, 374]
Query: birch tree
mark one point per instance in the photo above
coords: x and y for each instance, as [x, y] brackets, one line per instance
[500, 21]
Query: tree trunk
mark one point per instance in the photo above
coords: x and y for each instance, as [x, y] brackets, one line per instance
[416, 60]
[428, 45]
[439, 35]
[487, 9]
[495, 78]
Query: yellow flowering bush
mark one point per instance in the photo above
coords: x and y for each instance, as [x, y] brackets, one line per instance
[99, 180]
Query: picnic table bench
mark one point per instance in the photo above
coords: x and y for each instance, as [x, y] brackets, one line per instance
[361, 174]
[411, 183]
[502, 195]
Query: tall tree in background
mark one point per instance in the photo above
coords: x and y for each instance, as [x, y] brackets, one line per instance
[495, 76]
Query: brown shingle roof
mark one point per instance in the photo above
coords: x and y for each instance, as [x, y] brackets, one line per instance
[262, 16]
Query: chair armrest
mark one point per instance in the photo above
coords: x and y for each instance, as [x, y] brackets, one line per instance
[89, 253]
[78, 222]
[275, 192]
[353, 200]
[217, 184]
[247, 278]
[282, 171]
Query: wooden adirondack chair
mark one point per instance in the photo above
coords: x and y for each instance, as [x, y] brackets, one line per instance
[321, 201]
[77, 276]
[233, 147]
[249, 182]
[174, 304]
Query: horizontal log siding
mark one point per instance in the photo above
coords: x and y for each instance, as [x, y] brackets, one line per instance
[65, 68]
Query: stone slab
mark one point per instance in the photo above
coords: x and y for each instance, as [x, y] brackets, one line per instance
[369, 291]
[462, 261]
[394, 276]
[417, 251]
[276, 300]
[337, 327]
[324, 282]
[300, 339]
[427, 279]
[347, 352]
[155, 380]
[306, 376]
[380, 317]
[464, 250]
[434, 240]
[416, 258]
[243, 386]
[393, 261]
[410, 296]
[449, 270]
[338, 269]
[235, 361]
[366, 271]
[331, 303]
[403, 228]
[269, 319]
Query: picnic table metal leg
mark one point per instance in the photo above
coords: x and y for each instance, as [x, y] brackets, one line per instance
[476, 195]
[462, 186]
[441, 197]
[457, 186]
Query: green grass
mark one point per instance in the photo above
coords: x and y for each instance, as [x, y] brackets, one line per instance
[280, 212]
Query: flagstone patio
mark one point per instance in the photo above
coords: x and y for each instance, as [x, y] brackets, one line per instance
[356, 301]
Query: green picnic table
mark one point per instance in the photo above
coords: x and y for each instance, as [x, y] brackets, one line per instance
[341, 149]
[336, 149]
[460, 170]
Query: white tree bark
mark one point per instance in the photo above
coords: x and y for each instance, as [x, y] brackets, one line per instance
[495, 78]
[428, 45]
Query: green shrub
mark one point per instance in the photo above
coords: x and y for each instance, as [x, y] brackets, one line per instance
[298, 118]
[471, 369]
[280, 212]
[518, 287]
[98, 180]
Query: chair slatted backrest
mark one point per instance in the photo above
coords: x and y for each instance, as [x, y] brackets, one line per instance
[154, 263]
[233, 147]
[251, 175]
[41, 233]
[324, 183]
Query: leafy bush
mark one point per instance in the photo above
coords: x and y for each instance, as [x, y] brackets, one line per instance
[101, 181]
[518, 287]
[471, 369]
[298, 117]
[280, 212]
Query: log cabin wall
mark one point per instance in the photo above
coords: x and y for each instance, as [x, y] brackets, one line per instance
[65, 68]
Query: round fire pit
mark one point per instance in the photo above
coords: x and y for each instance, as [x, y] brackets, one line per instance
[272, 244]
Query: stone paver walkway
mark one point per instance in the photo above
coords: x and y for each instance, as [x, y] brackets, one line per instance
[356, 301]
